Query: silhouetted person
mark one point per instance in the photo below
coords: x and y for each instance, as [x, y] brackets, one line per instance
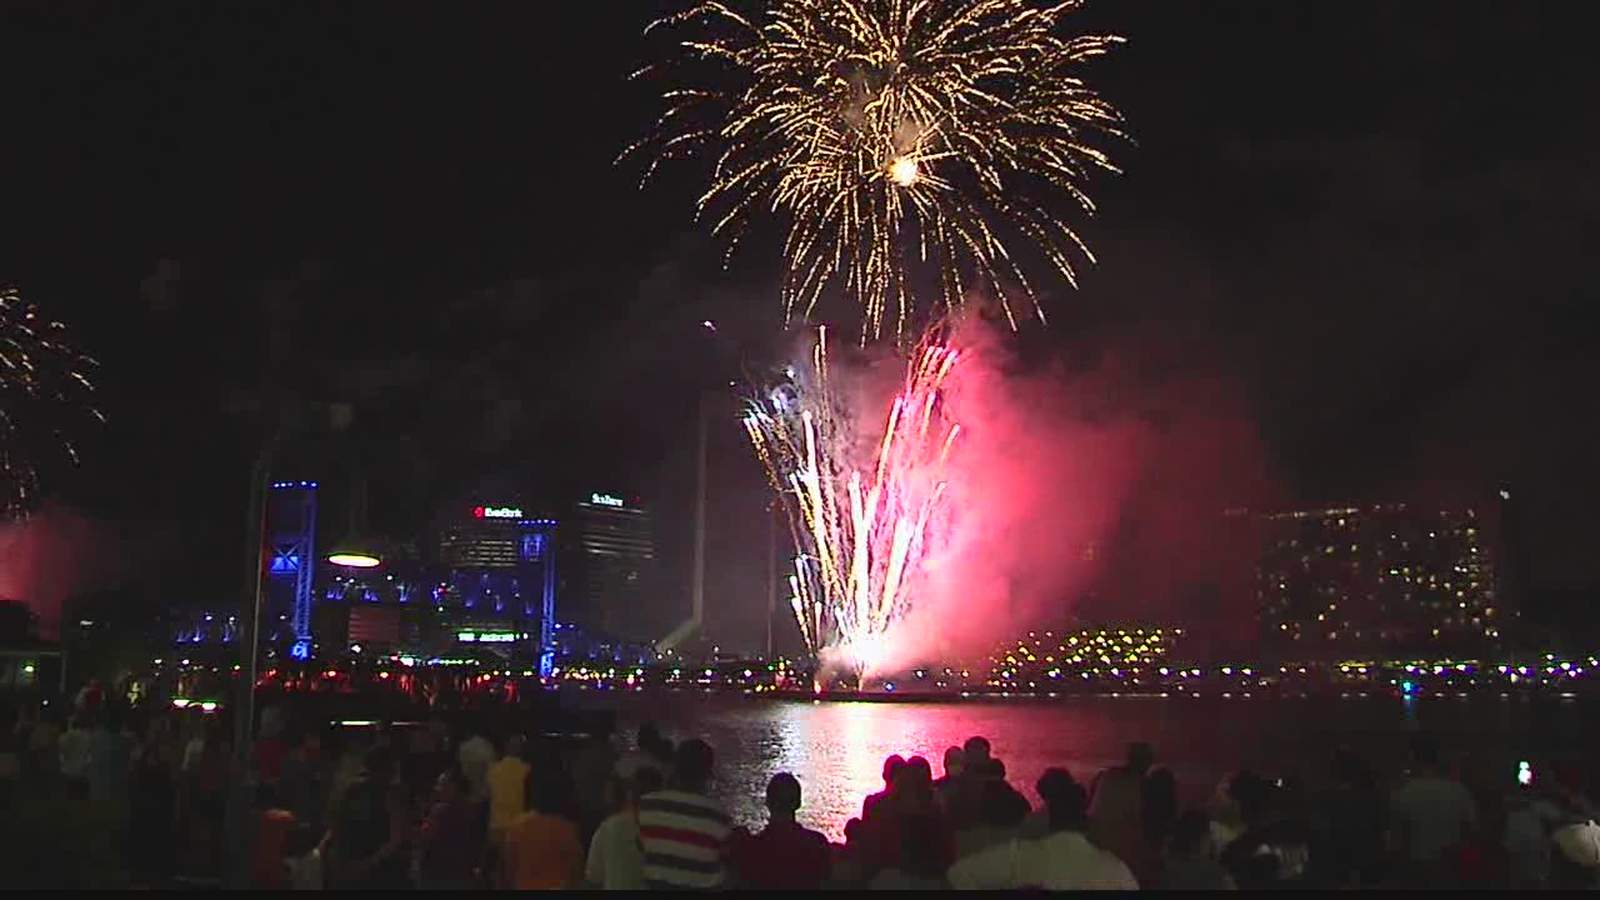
[1353, 816]
[965, 797]
[508, 787]
[269, 854]
[1189, 863]
[1274, 849]
[784, 855]
[914, 786]
[1160, 805]
[651, 750]
[543, 850]
[368, 828]
[1431, 815]
[944, 786]
[154, 804]
[919, 865]
[1061, 861]
[684, 833]
[475, 755]
[615, 861]
[975, 752]
[999, 820]
[891, 768]
[450, 841]
[1116, 806]
[304, 783]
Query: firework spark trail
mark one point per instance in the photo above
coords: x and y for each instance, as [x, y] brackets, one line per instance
[862, 525]
[892, 135]
[44, 386]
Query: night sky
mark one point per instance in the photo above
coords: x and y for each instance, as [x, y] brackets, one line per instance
[1374, 216]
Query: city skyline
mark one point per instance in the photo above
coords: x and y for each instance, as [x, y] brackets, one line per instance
[451, 253]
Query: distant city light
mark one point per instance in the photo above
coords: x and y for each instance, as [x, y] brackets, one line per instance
[496, 512]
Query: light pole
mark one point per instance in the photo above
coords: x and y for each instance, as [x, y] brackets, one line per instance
[250, 622]
[236, 825]
[349, 553]
[772, 571]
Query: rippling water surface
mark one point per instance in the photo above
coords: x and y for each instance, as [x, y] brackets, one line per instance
[837, 749]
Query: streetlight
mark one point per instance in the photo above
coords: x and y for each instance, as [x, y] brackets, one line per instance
[353, 554]
[357, 549]
[350, 552]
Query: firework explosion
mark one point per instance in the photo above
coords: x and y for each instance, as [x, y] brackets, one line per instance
[893, 135]
[862, 520]
[43, 386]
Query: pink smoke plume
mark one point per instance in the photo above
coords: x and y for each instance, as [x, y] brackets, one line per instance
[1097, 494]
[48, 558]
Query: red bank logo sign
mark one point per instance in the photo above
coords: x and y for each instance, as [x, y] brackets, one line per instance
[497, 512]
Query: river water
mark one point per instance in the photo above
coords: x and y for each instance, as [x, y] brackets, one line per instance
[837, 749]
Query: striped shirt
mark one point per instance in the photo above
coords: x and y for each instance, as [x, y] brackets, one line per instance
[684, 837]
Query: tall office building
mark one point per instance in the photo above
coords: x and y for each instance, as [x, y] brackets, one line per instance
[498, 557]
[1394, 576]
[611, 566]
[499, 569]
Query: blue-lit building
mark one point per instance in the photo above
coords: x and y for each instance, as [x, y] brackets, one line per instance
[289, 581]
[497, 574]
[575, 645]
[491, 586]
[291, 545]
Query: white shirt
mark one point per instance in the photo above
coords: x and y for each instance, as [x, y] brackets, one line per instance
[1432, 813]
[615, 861]
[1064, 861]
[74, 749]
[305, 872]
[1527, 840]
[629, 763]
[476, 755]
[192, 753]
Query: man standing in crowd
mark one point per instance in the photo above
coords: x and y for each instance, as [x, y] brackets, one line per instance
[785, 855]
[683, 832]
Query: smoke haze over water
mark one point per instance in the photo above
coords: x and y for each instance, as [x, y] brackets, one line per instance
[1097, 494]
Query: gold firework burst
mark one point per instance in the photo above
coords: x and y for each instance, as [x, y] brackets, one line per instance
[44, 392]
[894, 137]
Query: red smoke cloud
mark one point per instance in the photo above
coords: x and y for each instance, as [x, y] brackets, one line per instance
[1098, 494]
[48, 558]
